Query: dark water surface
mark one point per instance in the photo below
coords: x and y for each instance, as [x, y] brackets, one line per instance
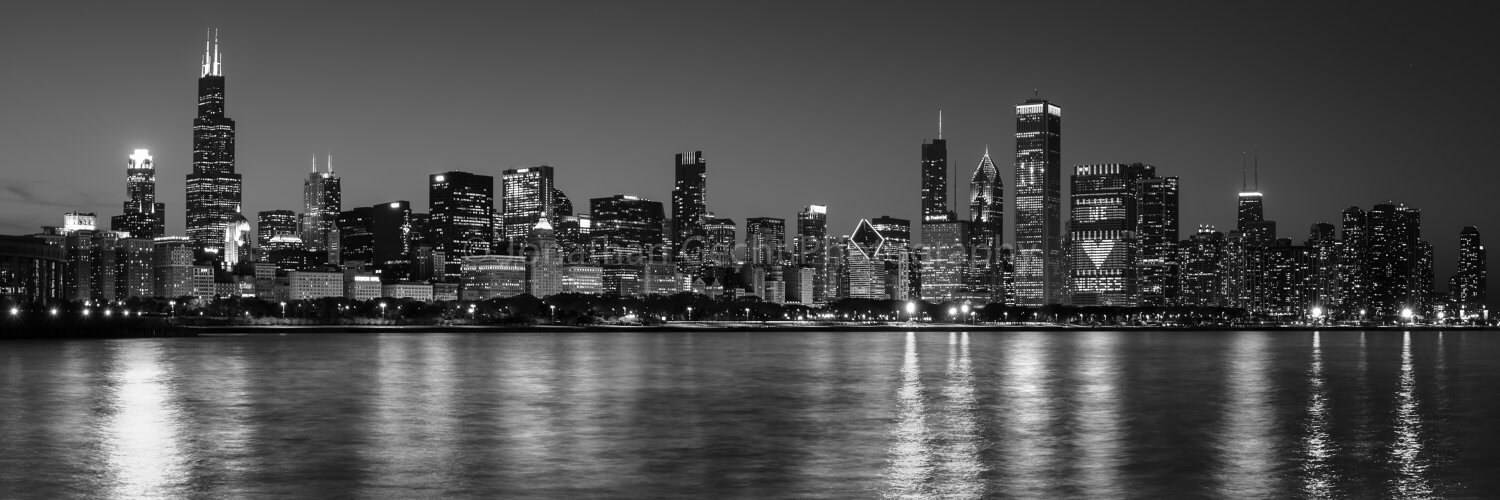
[824, 414]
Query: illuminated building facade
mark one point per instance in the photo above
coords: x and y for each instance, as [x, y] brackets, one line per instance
[528, 196]
[689, 211]
[270, 223]
[986, 226]
[1157, 267]
[322, 203]
[1038, 252]
[626, 228]
[1103, 234]
[462, 207]
[143, 216]
[811, 246]
[1202, 255]
[213, 187]
[765, 239]
[1469, 285]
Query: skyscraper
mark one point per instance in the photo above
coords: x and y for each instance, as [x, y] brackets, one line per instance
[626, 227]
[945, 260]
[357, 237]
[812, 248]
[1201, 257]
[1038, 255]
[390, 226]
[765, 239]
[986, 227]
[462, 207]
[143, 216]
[528, 195]
[1158, 268]
[270, 223]
[213, 188]
[322, 202]
[1103, 232]
[935, 177]
[901, 279]
[1469, 286]
[689, 208]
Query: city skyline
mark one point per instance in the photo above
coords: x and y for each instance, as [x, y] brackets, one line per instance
[1101, 124]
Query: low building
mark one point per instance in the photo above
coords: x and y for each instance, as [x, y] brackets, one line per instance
[307, 285]
[359, 285]
[492, 276]
[408, 290]
[444, 292]
[31, 271]
[585, 279]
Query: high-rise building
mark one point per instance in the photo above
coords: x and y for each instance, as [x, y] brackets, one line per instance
[1385, 243]
[1469, 286]
[1354, 286]
[863, 269]
[626, 227]
[270, 223]
[1201, 257]
[902, 281]
[1157, 267]
[236, 241]
[462, 207]
[1103, 235]
[812, 249]
[356, 237]
[689, 211]
[213, 188]
[765, 239]
[1038, 243]
[987, 226]
[143, 216]
[527, 196]
[322, 202]
[945, 260]
[390, 226]
[720, 240]
[935, 177]
[544, 262]
[1325, 281]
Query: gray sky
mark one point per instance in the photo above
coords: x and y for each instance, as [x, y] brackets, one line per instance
[792, 102]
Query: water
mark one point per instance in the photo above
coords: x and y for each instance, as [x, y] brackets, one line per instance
[826, 414]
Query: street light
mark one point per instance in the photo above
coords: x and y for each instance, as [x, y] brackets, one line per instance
[911, 310]
[747, 314]
[382, 310]
[554, 312]
[15, 311]
[471, 312]
[174, 308]
[283, 309]
[1406, 314]
[952, 311]
[690, 313]
[1317, 313]
[966, 312]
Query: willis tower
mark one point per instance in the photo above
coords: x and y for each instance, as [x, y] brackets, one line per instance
[213, 188]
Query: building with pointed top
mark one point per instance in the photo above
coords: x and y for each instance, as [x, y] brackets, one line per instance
[322, 203]
[143, 216]
[214, 189]
[986, 231]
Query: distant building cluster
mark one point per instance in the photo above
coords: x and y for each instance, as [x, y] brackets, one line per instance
[1119, 247]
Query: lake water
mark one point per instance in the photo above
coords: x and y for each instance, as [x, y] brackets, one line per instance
[760, 415]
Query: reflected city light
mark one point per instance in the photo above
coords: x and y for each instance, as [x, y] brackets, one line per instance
[145, 455]
[911, 457]
[1407, 452]
[1318, 448]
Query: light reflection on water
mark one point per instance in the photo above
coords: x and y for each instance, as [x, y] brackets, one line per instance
[911, 454]
[145, 456]
[1318, 449]
[826, 414]
[1411, 462]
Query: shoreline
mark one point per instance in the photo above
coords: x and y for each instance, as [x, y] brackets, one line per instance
[208, 331]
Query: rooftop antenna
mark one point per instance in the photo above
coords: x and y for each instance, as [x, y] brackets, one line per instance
[1257, 169]
[330, 162]
[940, 124]
[218, 70]
[1244, 184]
[315, 164]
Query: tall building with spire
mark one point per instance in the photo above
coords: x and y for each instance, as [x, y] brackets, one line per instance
[986, 230]
[213, 187]
[1038, 241]
[935, 177]
[143, 216]
[322, 202]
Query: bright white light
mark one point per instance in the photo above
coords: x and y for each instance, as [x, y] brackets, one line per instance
[952, 311]
[1317, 312]
[439, 178]
[1406, 313]
[15, 311]
[911, 307]
[85, 311]
[395, 204]
[54, 311]
[106, 312]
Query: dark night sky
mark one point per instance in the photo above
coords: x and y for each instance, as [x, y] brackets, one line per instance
[792, 102]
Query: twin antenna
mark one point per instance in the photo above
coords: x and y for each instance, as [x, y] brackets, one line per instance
[315, 163]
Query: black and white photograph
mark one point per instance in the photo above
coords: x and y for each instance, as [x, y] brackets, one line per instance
[748, 249]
